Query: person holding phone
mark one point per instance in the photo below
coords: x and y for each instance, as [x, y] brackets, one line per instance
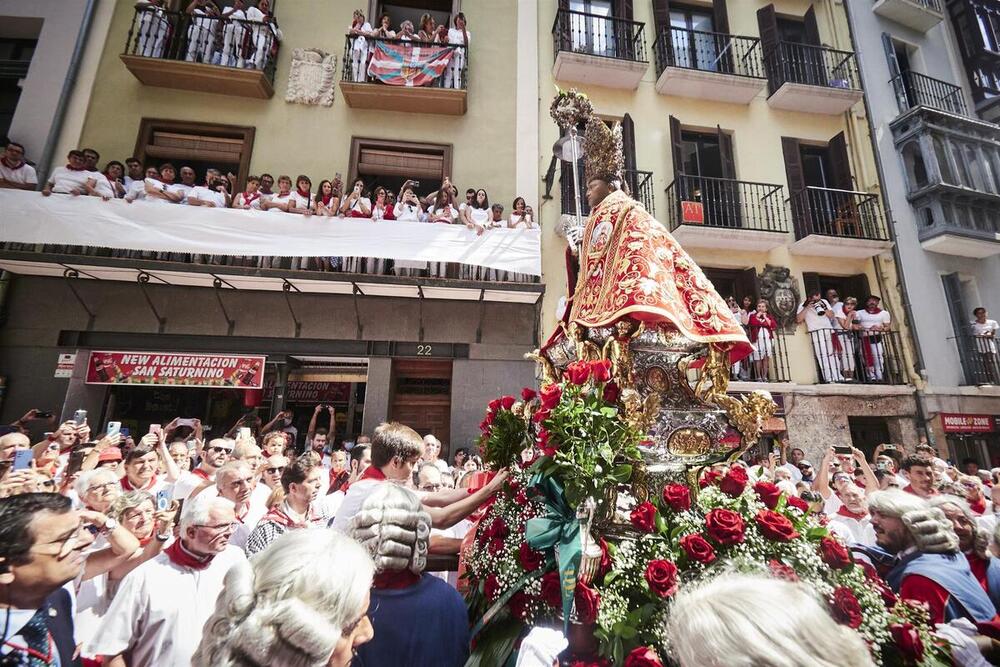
[355, 203]
[213, 456]
[457, 35]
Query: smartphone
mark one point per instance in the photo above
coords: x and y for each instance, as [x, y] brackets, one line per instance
[888, 447]
[45, 415]
[22, 459]
[125, 431]
[162, 500]
[245, 433]
[114, 428]
[155, 429]
[192, 445]
[80, 417]
[838, 449]
[187, 421]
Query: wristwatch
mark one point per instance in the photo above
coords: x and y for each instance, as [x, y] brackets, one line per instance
[162, 538]
[109, 526]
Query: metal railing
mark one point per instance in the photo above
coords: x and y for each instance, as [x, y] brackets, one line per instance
[724, 202]
[358, 52]
[597, 35]
[768, 362]
[639, 183]
[708, 52]
[228, 42]
[918, 90]
[980, 359]
[933, 5]
[792, 62]
[840, 213]
[858, 356]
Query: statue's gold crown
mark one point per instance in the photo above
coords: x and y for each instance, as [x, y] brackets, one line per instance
[602, 151]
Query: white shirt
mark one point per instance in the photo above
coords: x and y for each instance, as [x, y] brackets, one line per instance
[794, 470]
[279, 199]
[160, 610]
[23, 173]
[851, 530]
[188, 482]
[869, 320]
[102, 184]
[135, 190]
[203, 194]
[407, 212]
[987, 328]
[361, 200]
[360, 43]
[838, 311]
[185, 190]
[351, 505]
[329, 504]
[458, 531]
[300, 201]
[815, 322]
[455, 36]
[66, 180]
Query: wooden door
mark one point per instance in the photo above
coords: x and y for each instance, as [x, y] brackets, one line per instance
[421, 397]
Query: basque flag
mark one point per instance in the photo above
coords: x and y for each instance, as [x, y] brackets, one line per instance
[401, 64]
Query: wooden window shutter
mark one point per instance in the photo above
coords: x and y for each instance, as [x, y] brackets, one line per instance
[661, 15]
[676, 146]
[811, 283]
[628, 145]
[796, 183]
[726, 154]
[811, 27]
[624, 9]
[857, 286]
[748, 283]
[767, 23]
[840, 163]
[563, 4]
[721, 16]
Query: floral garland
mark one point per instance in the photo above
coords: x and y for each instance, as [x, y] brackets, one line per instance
[571, 108]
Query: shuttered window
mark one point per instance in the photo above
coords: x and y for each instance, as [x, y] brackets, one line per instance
[199, 145]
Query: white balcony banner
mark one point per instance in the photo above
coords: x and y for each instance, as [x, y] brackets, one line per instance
[28, 217]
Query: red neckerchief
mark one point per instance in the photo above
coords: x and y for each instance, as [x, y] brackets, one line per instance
[371, 473]
[127, 485]
[978, 507]
[843, 511]
[242, 515]
[198, 472]
[72, 168]
[3, 159]
[278, 515]
[874, 310]
[394, 579]
[338, 480]
[325, 199]
[250, 198]
[147, 540]
[305, 194]
[180, 556]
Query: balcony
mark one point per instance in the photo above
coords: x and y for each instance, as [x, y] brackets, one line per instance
[639, 183]
[812, 79]
[709, 66]
[208, 55]
[838, 223]
[917, 90]
[980, 361]
[858, 357]
[723, 213]
[405, 75]
[919, 15]
[598, 50]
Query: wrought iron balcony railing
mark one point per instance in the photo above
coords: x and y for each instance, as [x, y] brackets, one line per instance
[596, 35]
[918, 90]
[980, 359]
[933, 5]
[839, 213]
[237, 43]
[858, 356]
[768, 362]
[708, 52]
[728, 203]
[639, 183]
[414, 70]
[792, 62]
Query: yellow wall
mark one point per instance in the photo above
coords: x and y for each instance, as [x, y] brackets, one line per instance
[293, 138]
[756, 130]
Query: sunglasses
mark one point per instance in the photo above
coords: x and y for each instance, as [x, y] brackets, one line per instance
[274, 470]
[220, 449]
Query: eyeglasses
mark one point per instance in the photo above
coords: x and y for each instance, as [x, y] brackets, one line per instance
[430, 487]
[106, 485]
[220, 449]
[219, 528]
[274, 470]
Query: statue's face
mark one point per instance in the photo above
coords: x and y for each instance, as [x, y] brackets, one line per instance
[597, 190]
[784, 300]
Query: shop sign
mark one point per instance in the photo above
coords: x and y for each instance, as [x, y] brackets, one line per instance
[317, 392]
[964, 423]
[168, 369]
[65, 364]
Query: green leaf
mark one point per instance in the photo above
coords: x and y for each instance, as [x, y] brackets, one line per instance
[495, 645]
[817, 533]
[661, 525]
[622, 473]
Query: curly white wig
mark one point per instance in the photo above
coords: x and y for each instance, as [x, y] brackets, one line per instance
[394, 529]
[982, 538]
[930, 528]
[290, 605]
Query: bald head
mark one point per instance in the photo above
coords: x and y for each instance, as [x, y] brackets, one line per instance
[13, 442]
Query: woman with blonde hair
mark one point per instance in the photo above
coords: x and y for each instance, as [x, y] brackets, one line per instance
[301, 603]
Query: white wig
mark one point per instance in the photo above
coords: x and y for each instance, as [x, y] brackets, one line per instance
[289, 605]
[197, 509]
[982, 538]
[739, 620]
[394, 529]
[930, 528]
[89, 478]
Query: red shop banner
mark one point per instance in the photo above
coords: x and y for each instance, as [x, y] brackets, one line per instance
[962, 423]
[168, 369]
[298, 391]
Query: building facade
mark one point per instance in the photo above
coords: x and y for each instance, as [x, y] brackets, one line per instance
[425, 346]
[745, 131]
[930, 71]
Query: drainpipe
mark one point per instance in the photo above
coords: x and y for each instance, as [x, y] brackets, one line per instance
[45, 162]
[920, 368]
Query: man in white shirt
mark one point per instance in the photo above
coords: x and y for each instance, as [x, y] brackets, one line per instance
[235, 482]
[873, 321]
[984, 331]
[137, 189]
[73, 179]
[159, 613]
[818, 316]
[432, 453]
[213, 456]
[851, 522]
[208, 195]
[163, 189]
[133, 171]
[14, 171]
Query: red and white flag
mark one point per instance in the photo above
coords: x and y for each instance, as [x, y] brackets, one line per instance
[402, 64]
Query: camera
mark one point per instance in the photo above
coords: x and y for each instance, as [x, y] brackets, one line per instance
[819, 308]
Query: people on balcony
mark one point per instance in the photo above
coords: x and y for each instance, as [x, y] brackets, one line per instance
[846, 323]
[406, 32]
[872, 321]
[428, 28]
[133, 171]
[359, 31]
[384, 30]
[15, 172]
[762, 330]
[264, 38]
[250, 198]
[279, 202]
[137, 188]
[327, 200]
[152, 28]
[408, 207]
[233, 32]
[984, 331]
[817, 314]
[522, 217]
[356, 204]
[114, 173]
[458, 34]
[201, 33]
[73, 179]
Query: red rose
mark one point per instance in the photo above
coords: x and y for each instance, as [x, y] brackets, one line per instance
[643, 517]
[522, 497]
[528, 394]
[661, 575]
[834, 553]
[605, 565]
[495, 546]
[507, 402]
[677, 497]
[908, 641]
[491, 588]
[578, 372]
[552, 589]
[548, 449]
[708, 478]
[734, 482]
[518, 605]
[484, 426]
[600, 370]
[498, 529]
[642, 657]
[541, 416]
[775, 526]
[529, 559]
[493, 406]
[611, 392]
[724, 526]
[797, 503]
[551, 395]
[587, 601]
[878, 583]
[698, 549]
[845, 607]
[782, 571]
[600, 662]
[768, 493]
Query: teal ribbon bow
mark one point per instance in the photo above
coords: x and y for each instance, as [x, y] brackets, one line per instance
[559, 527]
